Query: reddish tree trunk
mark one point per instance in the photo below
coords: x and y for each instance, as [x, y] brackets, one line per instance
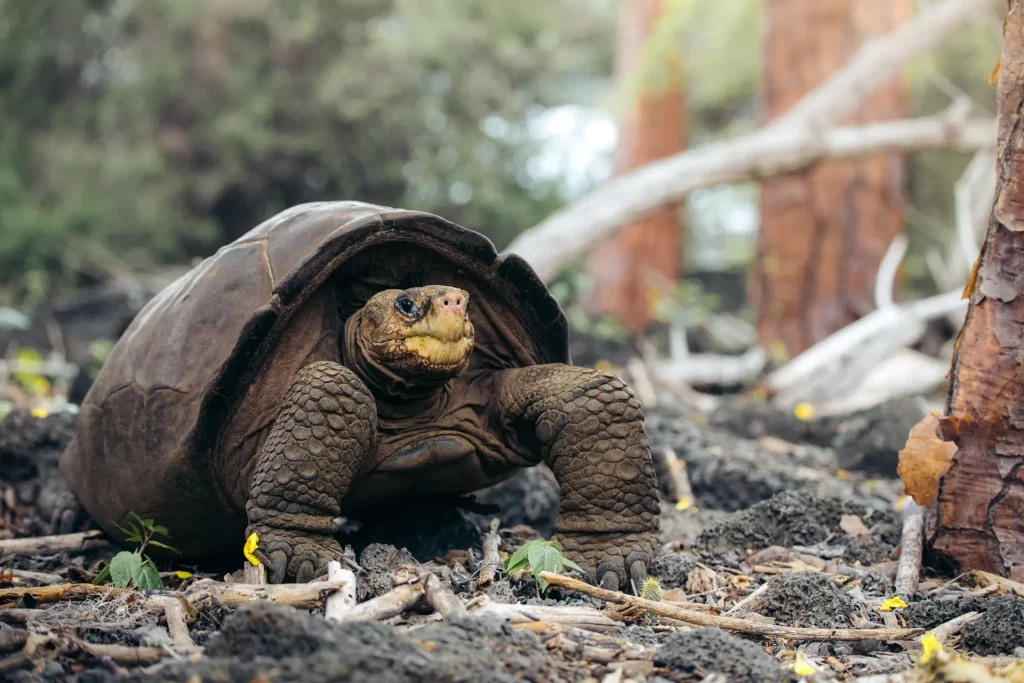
[645, 255]
[979, 520]
[823, 232]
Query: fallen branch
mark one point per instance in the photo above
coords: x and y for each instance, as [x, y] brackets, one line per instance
[177, 626]
[680, 479]
[38, 578]
[729, 623]
[947, 630]
[911, 547]
[343, 600]
[586, 618]
[391, 604]
[742, 606]
[491, 561]
[47, 545]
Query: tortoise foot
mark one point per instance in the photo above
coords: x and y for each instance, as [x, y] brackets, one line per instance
[68, 514]
[292, 554]
[618, 560]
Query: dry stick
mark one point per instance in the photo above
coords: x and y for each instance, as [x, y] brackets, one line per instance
[947, 630]
[441, 598]
[911, 548]
[391, 604]
[491, 561]
[728, 623]
[254, 574]
[585, 618]
[795, 140]
[43, 545]
[741, 606]
[680, 479]
[41, 578]
[177, 626]
[125, 655]
[343, 600]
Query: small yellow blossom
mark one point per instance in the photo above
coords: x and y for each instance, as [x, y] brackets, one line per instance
[182, 574]
[842, 475]
[683, 504]
[603, 365]
[802, 666]
[39, 412]
[895, 602]
[251, 544]
[804, 411]
[930, 645]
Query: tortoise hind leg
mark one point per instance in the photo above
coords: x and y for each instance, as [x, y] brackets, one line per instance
[326, 429]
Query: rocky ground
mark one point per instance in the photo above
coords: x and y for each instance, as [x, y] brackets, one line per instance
[785, 523]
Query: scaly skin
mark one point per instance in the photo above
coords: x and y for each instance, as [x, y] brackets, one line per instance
[326, 429]
[591, 432]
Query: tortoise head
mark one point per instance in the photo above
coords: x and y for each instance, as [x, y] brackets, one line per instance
[423, 332]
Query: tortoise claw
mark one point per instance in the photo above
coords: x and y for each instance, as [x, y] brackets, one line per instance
[638, 575]
[293, 554]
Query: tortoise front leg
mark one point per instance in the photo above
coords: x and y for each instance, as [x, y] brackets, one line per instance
[326, 429]
[591, 433]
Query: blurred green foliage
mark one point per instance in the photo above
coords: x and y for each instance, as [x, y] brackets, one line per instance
[162, 129]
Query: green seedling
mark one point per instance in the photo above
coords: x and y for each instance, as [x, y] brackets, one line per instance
[133, 566]
[540, 556]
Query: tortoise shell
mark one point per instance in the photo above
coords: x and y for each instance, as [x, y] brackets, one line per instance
[170, 427]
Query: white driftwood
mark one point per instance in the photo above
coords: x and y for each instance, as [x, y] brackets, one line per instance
[903, 323]
[441, 598]
[905, 373]
[703, 369]
[343, 600]
[177, 627]
[491, 562]
[392, 603]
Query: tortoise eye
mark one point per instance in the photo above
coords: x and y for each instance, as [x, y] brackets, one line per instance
[407, 306]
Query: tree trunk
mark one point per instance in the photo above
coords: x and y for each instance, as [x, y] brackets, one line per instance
[824, 231]
[979, 515]
[645, 255]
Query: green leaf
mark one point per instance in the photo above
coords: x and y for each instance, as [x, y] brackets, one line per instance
[102, 576]
[162, 530]
[547, 560]
[518, 559]
[572, 565]
[124, 567]
[147, 577]
[536, 556]
[158, 544]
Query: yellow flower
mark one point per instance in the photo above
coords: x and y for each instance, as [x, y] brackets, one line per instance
[802, 666]
[895, 602]
[804, 411]
[251, 544]
[683, 504]
[930, 645]
[39, 412]
[182, 574]
[842, 475]
[604, 365]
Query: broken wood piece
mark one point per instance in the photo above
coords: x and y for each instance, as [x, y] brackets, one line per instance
[36, 578]
[125, 655]
[728, 623]
[344, 599]
[442, 599]
[254, 574]
[911, 546]
[586, 618]
[308, 595]
[64, 591]
[47, 545]
[1003, 585]
[491, 561]
[392, 603]
[680, 480]
[947, 630]
[177, 626]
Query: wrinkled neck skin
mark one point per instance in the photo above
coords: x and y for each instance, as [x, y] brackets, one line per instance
[396, 397]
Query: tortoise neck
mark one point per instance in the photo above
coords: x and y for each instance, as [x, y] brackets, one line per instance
[395, 396]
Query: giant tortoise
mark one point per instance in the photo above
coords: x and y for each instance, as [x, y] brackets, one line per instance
[342, 357]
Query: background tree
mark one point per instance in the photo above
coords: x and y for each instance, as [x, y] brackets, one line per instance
[646, 255]
[824, 232]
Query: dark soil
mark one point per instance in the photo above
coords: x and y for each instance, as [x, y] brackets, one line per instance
[706, 651]
[801, 518]
[671, 569]
[807, 599]
[1000, 631]
[284, 644]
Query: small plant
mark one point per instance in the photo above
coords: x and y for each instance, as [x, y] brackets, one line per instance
[133, 567]
[540, 556]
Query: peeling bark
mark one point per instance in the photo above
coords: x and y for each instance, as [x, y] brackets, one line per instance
[644, 255]
[824, 231]
[979, 517]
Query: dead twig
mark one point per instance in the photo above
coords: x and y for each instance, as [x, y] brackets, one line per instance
[491, 561]
[947, 630]
[680, 479]
[911, 548]
[742, 606]
[441, 598]
[177, 626]
[586, 618]
[48, 545]
[728, 623]
[391, 604]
